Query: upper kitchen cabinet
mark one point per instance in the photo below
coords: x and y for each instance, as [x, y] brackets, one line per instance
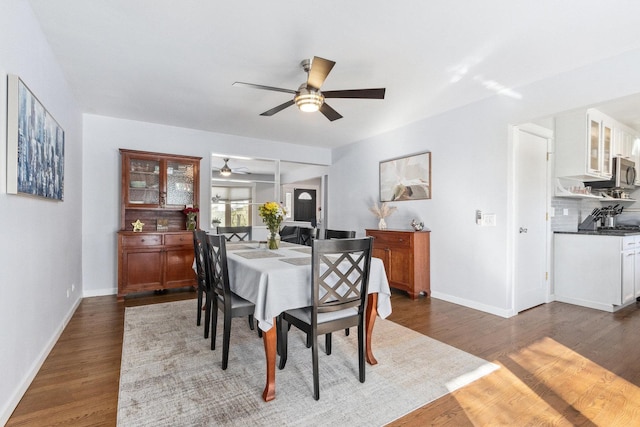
[584, 145]
[156, 188]
[588, 141]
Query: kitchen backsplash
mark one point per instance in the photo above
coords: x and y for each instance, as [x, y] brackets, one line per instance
[578, 209]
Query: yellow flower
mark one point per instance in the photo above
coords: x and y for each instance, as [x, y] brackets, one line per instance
[272, 214]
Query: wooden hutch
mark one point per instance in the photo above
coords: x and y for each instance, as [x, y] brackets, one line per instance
[155, 188]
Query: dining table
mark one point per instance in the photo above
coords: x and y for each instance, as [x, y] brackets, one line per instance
[280, 280]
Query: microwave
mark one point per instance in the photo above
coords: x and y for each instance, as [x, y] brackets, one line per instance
[623, 175]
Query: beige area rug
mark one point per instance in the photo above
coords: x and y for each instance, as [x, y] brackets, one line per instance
[170, 377]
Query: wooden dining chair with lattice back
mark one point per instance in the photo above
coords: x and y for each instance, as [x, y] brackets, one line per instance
[339, 285]
[199, 248]
[236, 234]
[224, 300]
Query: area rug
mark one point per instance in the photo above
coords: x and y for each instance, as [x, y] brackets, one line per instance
[170, 377]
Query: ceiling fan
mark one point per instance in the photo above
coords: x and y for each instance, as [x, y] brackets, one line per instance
[226, 170]
[308, 97]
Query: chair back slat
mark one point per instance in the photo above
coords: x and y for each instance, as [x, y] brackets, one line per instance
[199, 248]
[339, 234]
[216, 260]
[236, 234]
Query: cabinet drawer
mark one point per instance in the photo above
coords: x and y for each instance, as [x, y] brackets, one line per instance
[392, 238]
[178, 239]
[142, 240]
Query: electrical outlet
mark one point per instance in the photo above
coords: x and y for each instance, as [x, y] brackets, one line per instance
[73, 287]
[565, 211]
[479, 217]
[489, 220]
[68, 293]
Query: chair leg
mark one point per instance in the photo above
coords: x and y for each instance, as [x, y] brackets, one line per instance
[214, 321]
[207, 314]
[314, 357]
[327, 343]
[225, 340]
[251, 322]
[309, 340]
[361, 364]
[283, 332]
[199, 314]
[346, 332]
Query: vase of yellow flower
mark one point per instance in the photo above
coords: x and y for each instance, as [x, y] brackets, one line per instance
[272, 214]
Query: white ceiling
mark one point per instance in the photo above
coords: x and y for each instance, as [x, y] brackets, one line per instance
[174, 62]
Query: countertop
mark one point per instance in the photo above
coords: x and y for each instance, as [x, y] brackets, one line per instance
[603, 232]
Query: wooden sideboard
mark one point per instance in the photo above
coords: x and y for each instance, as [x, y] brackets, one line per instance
[405, 255]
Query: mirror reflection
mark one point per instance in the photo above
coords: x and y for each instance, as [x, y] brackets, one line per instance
[240, 184]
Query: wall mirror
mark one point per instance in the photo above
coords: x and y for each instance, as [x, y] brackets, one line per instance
[240, 184]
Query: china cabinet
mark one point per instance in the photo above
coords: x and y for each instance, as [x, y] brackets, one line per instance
[155, 189]
[405, 255]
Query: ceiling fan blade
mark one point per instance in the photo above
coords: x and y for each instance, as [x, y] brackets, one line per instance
[278, 108]
[356, 93]
[254, 86]
[319, 71]
[329, 112]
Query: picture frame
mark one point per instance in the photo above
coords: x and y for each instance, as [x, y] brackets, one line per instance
[406, 178]
[35, 145]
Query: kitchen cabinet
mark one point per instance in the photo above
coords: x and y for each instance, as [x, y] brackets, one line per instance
[405, 255]
[155, 188]
[596, 271]
[584, 145]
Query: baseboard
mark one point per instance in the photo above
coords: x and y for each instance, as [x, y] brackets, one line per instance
[7, 410]
[473, 304]
[99, 292]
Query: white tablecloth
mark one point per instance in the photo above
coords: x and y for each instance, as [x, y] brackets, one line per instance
[275, 286]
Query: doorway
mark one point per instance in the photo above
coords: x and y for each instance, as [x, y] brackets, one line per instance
[531, 145]
[304, 204]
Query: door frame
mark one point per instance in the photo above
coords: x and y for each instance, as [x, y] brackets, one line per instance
[512, 233]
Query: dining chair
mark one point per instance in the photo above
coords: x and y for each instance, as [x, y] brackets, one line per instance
[199, 247]
[339, 234]
[306, 236]
[236, 234]
[339, 285]
[289, 234]
[223, 299]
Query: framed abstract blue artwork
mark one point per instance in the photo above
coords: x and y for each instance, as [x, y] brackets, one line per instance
[35, 145]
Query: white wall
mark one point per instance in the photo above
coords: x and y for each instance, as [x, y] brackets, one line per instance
[40, 254]
[471, 163]
[103, 136]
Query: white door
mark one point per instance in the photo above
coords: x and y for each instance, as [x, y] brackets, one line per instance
[531, 278]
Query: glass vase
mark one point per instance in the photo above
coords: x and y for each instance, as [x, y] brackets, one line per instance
[191, 223]
[274, 240]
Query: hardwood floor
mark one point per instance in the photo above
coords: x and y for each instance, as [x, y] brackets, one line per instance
[560, 365]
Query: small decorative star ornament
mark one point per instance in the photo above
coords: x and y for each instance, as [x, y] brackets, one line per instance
[137, 226]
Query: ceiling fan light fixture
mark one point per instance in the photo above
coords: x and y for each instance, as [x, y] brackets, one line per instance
[309, 100]
[225, 170]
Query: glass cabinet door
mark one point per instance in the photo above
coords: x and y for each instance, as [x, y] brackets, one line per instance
[180, 185]
[594, 146]
[144, 182]
[607, 138]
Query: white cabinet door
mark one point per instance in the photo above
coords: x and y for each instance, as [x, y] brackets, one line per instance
[628, 260]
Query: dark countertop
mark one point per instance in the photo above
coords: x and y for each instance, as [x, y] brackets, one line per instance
[602, 232]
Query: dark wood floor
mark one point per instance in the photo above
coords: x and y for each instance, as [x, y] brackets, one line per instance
[560, 365]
